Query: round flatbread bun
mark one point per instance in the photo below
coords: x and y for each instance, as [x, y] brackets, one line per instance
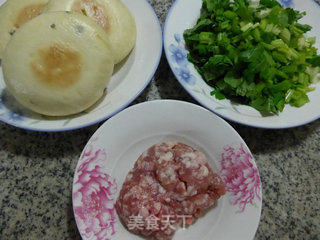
[58, 63]
[112, 15]
[13, 14]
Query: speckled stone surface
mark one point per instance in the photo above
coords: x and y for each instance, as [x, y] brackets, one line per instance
[36, 171]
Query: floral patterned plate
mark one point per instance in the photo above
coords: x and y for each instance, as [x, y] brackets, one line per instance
[183, 15]
[128, 81]
[113, 149]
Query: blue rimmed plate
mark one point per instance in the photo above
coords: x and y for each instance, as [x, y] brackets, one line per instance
[183, 15]
[129, 80]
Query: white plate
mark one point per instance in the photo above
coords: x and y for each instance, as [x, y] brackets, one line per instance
[129, 80]
[183, 15]
[112, 151]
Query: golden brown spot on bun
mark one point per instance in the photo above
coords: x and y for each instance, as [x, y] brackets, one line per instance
[94, 10]
[28, 13]
[57, 66]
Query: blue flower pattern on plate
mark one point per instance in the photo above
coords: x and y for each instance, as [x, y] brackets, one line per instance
[179, 56]
[11, 112]
[14, 114]
[177, 37]
[287, 3]
[185, 74]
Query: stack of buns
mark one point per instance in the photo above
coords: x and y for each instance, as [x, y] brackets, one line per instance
[58, 56]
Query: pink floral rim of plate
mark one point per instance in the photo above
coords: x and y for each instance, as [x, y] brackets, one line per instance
[93, 197]
[241, 176]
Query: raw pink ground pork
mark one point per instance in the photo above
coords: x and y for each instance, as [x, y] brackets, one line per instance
[169, 182]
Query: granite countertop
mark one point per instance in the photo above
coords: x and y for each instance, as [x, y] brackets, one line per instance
[36, 171]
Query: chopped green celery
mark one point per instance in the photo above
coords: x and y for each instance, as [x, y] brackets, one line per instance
[303, 78]
[265, 105]
[293, 53]
[268, 46]
[311, 41]
[214, 49]
[302, 43]
[246, 26]
[289, 69]
[313, 73]
[206, 38]
[230, 15]
[280, 104]
[249, 37]
[202, 49]
[254, 4]
[294, 30]
[256, 35]
[219, 95]
[263, 13]
[281, 74]
[282, 86]
[303, 27]
[314, 61]
[222, 38]
[263, 24]
[279, 57]
[225, 25]
[298, 98]
[276, 30]
[232, 81]
[269, 27]
[278, 43]
[285, 35]
[256, 52]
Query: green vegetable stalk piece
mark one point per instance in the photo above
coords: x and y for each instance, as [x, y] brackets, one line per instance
[255, 53]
